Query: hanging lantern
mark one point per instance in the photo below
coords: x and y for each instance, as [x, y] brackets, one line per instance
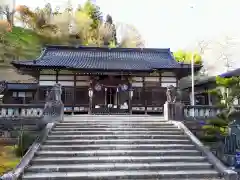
[124, 87]
[98, 87]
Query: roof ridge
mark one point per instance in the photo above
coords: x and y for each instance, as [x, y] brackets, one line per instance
[117, 49]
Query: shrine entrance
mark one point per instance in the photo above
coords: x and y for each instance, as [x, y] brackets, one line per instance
[110, 95]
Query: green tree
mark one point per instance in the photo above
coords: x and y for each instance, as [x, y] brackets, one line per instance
[93, 11]
[18, 43]
[22, 44]
[83, 26]
[227, 91]
[186, 57]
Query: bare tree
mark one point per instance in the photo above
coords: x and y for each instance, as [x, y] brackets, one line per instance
[129, 36]
[202, 46]
[224, 54]
[7, 10]
[220, 55]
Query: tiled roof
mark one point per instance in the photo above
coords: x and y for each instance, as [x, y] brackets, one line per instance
[199, 81]
[95, 58]
[186, 83]
[235, 72]
[22, 86]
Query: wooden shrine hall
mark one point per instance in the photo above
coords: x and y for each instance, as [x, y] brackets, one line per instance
[106, 80]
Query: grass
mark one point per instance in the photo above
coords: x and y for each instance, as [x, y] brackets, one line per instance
[20, 44]
[8, 159]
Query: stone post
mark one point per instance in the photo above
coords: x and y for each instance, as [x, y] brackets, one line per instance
[173, 111]
[166, 111]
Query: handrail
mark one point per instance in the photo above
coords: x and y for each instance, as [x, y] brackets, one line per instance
[228, 174]
[16, 173]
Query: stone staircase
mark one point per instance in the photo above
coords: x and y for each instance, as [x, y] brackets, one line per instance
[118, 147]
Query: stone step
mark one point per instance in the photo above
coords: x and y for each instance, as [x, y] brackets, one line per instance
[117, 141]
[122, 128]
[71, 132]
[87, 153]
[120, 136]
[120, 166]
[110, 175]
[116, 123]
[115, 159]
[118, 147]
[111, 118]
[115, 126]
[113, 121]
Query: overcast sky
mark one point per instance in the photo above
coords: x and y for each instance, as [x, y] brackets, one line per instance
[169, 23]
[174, 24]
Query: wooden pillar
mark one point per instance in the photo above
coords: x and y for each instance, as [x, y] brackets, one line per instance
[144, 94]
[36, 98]
[74, 92]
[160, 86]
[129, 97]
[90, 101]
[57, 74]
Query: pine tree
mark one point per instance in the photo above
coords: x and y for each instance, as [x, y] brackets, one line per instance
[227, 91]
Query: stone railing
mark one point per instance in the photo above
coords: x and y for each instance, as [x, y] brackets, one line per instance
[51, 112]
[197, 112]
[179, 111]
[12, 115]
[225, 172]
[194, 117]
[21, 110]
[200, 112]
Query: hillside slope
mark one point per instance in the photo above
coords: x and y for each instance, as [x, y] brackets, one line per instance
[19, 44]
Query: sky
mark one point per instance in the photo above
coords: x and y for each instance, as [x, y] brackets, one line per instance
[175, 24]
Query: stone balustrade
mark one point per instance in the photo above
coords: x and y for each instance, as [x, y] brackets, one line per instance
[21, 110]
[14, 116]
[200, 112]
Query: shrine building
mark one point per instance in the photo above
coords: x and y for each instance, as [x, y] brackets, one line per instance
[106, 80]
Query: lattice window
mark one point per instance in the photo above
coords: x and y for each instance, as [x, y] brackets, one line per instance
[99, 97]
[155, 96]
[137, 97]
[67, 95]
[81, 97]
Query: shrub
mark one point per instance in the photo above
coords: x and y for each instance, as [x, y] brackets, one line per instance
[24, 142]
[214, 130]
[208, 138]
